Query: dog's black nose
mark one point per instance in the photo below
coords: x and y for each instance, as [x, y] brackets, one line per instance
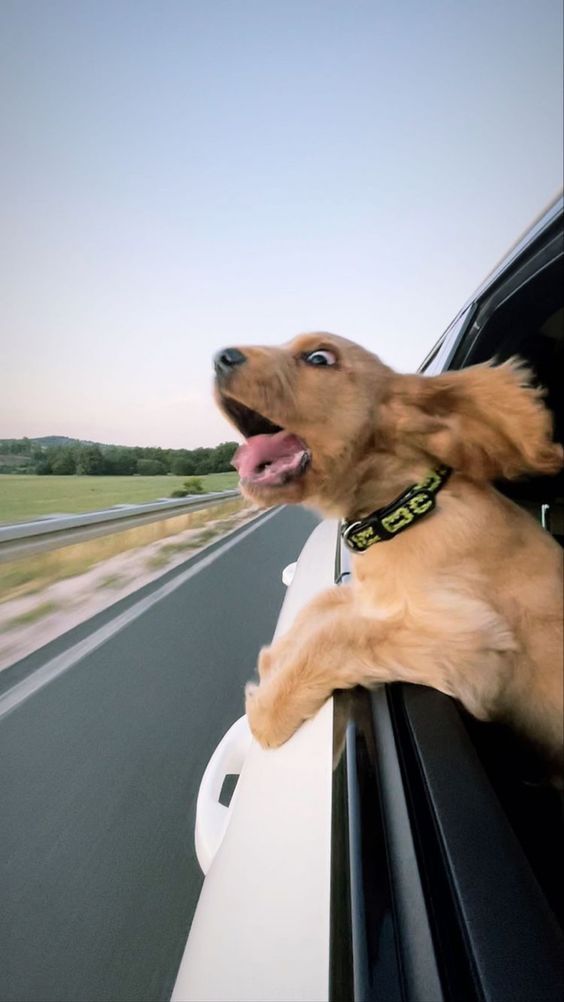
[226, 360]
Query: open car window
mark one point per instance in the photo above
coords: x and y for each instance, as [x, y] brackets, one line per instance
[463, 800]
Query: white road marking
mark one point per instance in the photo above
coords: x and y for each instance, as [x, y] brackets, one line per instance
[15, 696]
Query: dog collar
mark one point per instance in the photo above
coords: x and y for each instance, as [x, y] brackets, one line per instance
[385, 523]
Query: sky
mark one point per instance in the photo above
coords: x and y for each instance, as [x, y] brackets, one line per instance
[180, 176]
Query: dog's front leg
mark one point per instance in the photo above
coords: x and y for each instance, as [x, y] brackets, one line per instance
[318, 611]
[328, 648]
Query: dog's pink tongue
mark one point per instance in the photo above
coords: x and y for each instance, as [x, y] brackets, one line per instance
[281, 450]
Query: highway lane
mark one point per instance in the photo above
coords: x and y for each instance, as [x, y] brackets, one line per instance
[99, 773]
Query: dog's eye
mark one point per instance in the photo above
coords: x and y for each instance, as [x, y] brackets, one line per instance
[321, 356]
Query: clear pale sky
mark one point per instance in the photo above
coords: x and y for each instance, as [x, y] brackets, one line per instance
[178, 176]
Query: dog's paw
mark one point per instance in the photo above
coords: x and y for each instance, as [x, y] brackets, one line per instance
[269, 728]
[257, 716]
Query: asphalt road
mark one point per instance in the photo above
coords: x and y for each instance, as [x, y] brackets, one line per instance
[99, 773]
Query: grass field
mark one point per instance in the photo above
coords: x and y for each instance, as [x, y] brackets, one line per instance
[26, 497]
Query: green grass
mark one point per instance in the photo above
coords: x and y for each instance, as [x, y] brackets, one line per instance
[170, 550]
[26, 497]
[38, 612]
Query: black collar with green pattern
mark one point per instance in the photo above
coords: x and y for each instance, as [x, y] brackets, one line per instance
[386, 523]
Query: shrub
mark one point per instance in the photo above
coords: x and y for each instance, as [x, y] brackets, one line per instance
[194, 486]
[179, 494]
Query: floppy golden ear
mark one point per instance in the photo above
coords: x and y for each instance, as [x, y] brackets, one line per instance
[487, 421]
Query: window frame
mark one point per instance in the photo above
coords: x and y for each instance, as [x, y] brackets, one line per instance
[481, 899]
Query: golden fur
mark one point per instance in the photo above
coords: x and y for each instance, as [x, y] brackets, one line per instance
[468, 600]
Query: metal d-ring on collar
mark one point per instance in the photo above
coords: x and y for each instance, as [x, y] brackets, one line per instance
[385, 523]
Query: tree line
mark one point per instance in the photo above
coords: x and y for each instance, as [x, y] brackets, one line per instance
[28, 456]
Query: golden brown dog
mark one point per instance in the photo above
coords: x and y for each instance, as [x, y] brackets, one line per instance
[468, 599]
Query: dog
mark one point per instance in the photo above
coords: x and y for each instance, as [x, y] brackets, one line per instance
[461, 589]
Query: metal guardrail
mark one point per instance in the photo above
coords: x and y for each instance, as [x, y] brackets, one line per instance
[27, 538]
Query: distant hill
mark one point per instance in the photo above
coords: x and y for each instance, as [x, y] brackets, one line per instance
[65, 456]
[49, 440]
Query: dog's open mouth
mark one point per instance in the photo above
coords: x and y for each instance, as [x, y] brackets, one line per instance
[271, 456]
[271, 460]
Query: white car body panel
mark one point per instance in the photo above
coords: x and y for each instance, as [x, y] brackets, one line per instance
[261, 927]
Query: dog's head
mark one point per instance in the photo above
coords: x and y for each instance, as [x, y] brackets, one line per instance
[322, 417]
[305, 411]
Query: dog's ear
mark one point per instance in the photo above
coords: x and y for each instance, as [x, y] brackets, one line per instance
[486, 421]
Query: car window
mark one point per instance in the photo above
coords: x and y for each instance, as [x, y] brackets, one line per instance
[524, 317]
